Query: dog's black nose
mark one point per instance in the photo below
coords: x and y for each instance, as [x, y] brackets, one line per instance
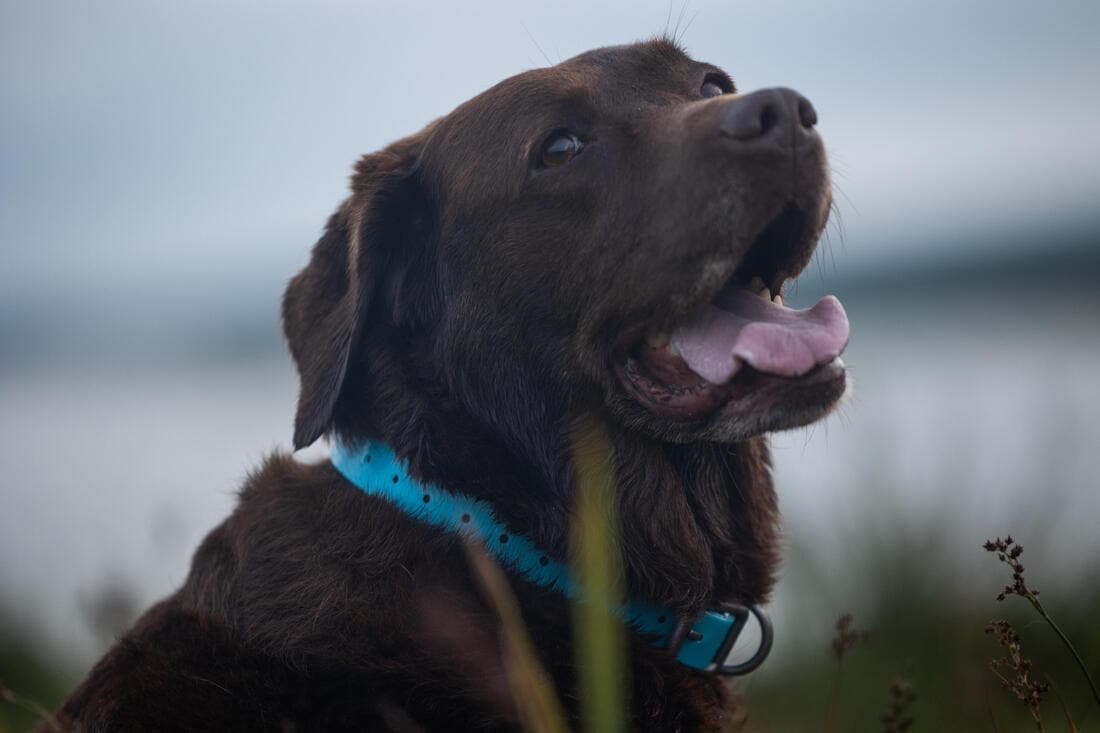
[777, 118]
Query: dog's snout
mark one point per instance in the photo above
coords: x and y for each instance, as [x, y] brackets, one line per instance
[777, 118]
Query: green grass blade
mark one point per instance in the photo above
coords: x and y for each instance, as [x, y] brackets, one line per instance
[600, 638]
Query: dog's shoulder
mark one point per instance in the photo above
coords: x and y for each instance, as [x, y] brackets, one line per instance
[295, 523]
[297, 582]
[306, 558]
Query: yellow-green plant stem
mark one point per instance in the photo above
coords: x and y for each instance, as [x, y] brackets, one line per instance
[532, 690]
[594, 543]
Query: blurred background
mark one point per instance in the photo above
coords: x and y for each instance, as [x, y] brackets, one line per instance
[165, 168]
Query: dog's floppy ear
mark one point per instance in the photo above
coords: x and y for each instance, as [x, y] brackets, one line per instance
[326, 303]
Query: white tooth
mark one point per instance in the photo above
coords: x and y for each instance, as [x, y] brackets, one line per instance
[657, 340]
[778, 300]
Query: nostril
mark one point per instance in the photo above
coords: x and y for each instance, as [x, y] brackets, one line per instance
[807, 115]
[752, 117]
[778, 118]
[768, 118]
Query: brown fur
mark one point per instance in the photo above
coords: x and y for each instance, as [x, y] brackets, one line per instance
[463, 306]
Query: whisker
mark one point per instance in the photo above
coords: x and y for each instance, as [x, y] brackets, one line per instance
[528, 32]
[688, 26]
[838, 189]
[829, 248]
[679, 19]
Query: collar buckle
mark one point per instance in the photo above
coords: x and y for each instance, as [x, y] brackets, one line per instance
[705, 644]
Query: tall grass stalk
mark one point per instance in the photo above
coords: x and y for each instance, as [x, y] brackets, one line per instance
[11, 696]
[532, 691]
[1071, 726]
[846, 638]
[594, 546]
[1008, 551]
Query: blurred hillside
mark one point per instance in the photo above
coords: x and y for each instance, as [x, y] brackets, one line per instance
[233, 313]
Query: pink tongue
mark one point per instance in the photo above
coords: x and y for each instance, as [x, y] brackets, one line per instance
[738, 326]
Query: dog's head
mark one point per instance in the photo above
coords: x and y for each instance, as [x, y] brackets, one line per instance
[608, 231]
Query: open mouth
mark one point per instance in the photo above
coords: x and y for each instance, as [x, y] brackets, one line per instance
[743, 352]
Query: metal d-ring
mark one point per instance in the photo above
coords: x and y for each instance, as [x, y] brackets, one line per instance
[767, 635]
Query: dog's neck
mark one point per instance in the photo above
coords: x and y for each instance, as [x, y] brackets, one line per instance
[699, 522]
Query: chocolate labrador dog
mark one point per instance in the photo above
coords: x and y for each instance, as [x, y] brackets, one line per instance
[603, 241]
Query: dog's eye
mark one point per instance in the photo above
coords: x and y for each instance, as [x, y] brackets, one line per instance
[714, 86]
[710, 89]
[561, 148]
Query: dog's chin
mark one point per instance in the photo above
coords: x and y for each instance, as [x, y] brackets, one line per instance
[751, 404]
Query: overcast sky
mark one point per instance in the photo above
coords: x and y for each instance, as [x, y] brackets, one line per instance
[162, 153]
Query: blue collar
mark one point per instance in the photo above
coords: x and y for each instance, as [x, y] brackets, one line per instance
[702, 645]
